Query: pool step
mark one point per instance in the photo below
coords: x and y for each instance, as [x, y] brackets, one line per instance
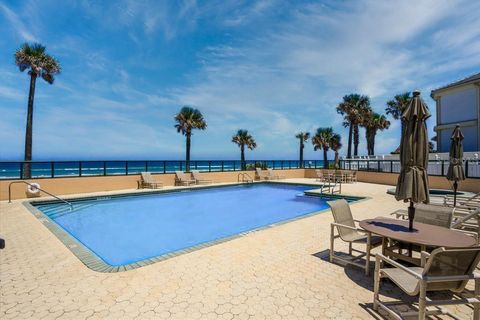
[56, 210]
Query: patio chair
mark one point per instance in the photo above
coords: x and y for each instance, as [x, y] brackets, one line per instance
[434, 215]
[353, 176]
[348, 232]
[147, 181]
[320, 176]
[429, 214]
[197, 176]
[261, 175]
[272, 175]
[181, 179]
[442, 270]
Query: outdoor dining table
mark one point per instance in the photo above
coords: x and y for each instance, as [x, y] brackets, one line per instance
[423, 235]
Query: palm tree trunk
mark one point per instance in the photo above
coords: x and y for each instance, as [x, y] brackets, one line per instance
[336, 159]
[301, 153]
[187, 151]
[372, 143]
[370, 136]
[350, 134]
[27, 171]
[367, 138]
[325, 161]
[356, 140]
[242, 157]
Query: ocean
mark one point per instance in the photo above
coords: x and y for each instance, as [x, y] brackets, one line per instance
[13, 170]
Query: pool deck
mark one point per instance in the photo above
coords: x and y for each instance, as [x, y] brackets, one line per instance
[275, 273]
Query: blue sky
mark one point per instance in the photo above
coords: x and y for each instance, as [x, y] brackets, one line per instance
[272, 67]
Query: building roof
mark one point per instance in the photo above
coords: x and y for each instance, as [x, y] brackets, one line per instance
[469, 79]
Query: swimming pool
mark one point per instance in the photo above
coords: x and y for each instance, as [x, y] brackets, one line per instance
[130, 229]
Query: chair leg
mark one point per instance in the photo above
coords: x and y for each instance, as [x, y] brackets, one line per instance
[376, 284]
[422, 301]
[332, 239]
[367, 257]
[350, 248]
[476, 306]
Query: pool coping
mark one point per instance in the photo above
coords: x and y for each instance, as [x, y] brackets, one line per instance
[91, 260]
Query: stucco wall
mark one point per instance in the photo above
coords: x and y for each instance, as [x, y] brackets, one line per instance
[65, 186]
[435, 182]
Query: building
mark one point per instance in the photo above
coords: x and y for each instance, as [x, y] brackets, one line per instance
[458, 103]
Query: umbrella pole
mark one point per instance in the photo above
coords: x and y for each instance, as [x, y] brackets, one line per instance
[411, 216]
[455, 187]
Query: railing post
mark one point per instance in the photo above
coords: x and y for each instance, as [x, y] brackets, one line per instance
[104, 168]
[209, 166]
[164, 167]
[126, 168]
[443, 165]
[222, 166]
[466, 168]
[378, 165]
[52, 169]
[80, 168]
[21, 170]
[146, 166]
[391, 166]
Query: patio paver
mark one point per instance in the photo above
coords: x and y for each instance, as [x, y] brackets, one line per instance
[276, 273]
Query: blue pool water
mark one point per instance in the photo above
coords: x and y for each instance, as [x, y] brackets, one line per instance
[130, 229]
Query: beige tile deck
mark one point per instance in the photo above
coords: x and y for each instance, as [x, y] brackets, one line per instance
[276, 273]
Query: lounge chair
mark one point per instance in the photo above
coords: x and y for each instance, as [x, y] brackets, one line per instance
[261, 175]
[442, 270]
[197, 176]
[463, 201]
[348, 232]
[272, 175]
[147, 181]
[181, 179]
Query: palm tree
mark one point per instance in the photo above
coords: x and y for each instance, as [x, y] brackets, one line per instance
[352, 108]
[335, 145]
[321, 140]
[188, 119]
[242, 139]
[397, 106]
[32, 57]
[372, 123]
[303, 137]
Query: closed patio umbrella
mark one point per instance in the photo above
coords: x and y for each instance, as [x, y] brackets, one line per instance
[455, 169]
[412, 183]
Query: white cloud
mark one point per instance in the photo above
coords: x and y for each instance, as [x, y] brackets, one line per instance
[18, 26]
[272, 67]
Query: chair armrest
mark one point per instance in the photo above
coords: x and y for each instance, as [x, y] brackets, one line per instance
[348, 227]
[424, 256]
[380, 257]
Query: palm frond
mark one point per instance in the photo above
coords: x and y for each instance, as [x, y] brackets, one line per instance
[188, 119]
[33, 57]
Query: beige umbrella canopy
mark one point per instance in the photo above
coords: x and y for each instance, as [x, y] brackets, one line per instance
[412, 183]
[455, 169]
